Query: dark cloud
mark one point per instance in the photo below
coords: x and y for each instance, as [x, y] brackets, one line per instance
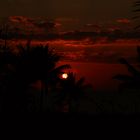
[26, 24]
[68, 14]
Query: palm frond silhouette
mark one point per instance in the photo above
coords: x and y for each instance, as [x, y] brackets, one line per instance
[39, 63]
[31, 64]
[131, 81]
[138, 52]
[71, 91]
[136, 5]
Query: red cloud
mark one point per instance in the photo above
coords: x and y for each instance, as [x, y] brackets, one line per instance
[35, 25]
[58, 25]
[93, 25]
[123, 20]
[66, 23]
[66, 20]
[19, 19]
[113, 28]
[40, 23]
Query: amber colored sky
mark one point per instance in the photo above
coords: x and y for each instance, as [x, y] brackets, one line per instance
[85, 11]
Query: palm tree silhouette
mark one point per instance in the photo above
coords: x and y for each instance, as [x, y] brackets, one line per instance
[31, 64]
[138, 52]
[7, 61]
[71, 91]
[131, 81]
[136, 11]
[130, 84]
[39, 63]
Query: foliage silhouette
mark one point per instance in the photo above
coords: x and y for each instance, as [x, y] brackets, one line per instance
[71, 91]
[131, 81]
[128, 100]
[136, 11]
[31, 64]
[138, 52]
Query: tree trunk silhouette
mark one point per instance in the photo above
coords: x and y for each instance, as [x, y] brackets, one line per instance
[42, 92]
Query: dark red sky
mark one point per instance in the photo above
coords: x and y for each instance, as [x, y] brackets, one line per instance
[83, 9]
[79, 12]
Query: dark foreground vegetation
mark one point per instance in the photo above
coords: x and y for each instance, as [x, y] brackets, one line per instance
[30, 81]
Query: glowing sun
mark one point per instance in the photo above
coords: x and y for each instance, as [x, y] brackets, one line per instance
[64, 75]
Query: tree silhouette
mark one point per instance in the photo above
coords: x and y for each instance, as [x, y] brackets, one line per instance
[39, 63]
[7, 61]
[30, 65]
[136, 11]
[130, 84]
[138, 52]
[131, 81]
[71, 91]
